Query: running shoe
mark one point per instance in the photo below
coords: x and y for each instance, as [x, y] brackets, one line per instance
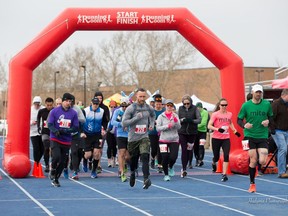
[55, 183]
[201, 164]
[166, 178]
[132, 179]
[183, 173]
[119, 174]
[84, 166]
[123, 178]
[252, 188]
[214, 168]
[147, 183]
[224, 178]
[136, 172]
[93, 174]
[52, 174]
[75, 176]
[171, 171]
[65, 173]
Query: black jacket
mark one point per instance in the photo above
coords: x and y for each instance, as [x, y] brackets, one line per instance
[189, 118]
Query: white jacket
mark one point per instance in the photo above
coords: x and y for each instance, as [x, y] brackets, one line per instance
[33, 128]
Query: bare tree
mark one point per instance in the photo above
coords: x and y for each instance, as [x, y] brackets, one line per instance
[3, 76]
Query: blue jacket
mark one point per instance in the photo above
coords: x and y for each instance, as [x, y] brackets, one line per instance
[116, 122]
[94, 120]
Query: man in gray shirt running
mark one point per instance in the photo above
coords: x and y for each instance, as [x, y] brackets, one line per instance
[139, 118]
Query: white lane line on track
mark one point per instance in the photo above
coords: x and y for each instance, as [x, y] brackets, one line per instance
[113, 198]
[236, 188]
[195, 198]
[28, 194]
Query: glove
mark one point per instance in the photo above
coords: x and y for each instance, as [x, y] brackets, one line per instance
[175, 119]
[221, 130]
[57, 133]
[237, 134]
[39, 130]
[170, 125]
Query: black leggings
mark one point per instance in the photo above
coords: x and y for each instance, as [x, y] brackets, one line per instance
[199, 150]
[76, 153]
[38, 148]
[46, 144]
[60, 153]
[169, 158]
[154, 144]
[216, 145]
[111, 145]
[184, 139]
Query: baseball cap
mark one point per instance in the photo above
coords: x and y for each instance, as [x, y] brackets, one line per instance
[169, 101]
[95, 100]
[257, 87]
[199, 104]
[67, 96]
[37, 99]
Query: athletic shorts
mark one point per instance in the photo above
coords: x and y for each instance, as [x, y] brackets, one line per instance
[139, 147]
[122, 142]
[255, 143]
[92, 142]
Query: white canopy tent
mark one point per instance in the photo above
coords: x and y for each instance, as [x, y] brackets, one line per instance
[210, 107]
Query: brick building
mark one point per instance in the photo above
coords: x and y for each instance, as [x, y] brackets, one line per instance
[203, 82]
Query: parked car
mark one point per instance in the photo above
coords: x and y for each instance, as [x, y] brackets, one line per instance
[3, 126]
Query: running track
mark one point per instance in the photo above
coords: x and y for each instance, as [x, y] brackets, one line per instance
[201, 193]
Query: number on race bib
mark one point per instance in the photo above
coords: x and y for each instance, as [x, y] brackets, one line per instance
[245, 145]
[163, 148]
[65, 123]
[140, 129]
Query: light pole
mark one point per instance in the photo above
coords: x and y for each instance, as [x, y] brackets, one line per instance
[84, 70]
[55, 83]
[259, 71]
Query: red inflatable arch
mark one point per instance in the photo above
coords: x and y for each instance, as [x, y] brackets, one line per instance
[16, 153]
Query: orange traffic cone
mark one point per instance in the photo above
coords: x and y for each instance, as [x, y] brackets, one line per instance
[40, 171]
[229, 170]
[219, 166]
[37, 170]
[34, 172]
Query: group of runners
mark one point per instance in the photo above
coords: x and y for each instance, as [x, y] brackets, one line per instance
[148, 133]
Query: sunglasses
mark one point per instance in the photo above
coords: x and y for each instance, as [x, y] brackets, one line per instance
[169, 105]
[224, 105]
[158, 99]
[96, 103]
[186, 103]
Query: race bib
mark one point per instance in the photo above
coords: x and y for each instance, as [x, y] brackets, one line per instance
[190, 146]
[245, 145]
[202, 142]
[140, 129]
[226, 129]
[163, 148]
[65, 123]
[45, 124]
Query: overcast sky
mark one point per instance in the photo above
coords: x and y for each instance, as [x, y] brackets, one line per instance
[257, 30]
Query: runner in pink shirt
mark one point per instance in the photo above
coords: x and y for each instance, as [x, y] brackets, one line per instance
[220, 122]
